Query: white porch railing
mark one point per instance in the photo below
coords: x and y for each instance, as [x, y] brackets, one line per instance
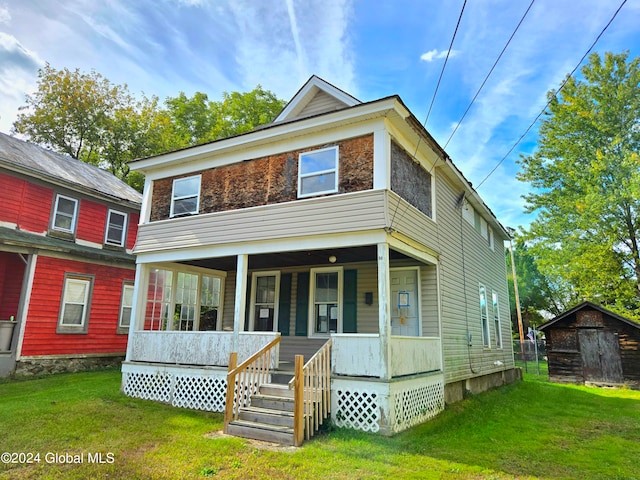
[196, 348]
[359, 355]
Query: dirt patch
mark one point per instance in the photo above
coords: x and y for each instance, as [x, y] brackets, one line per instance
[259, 444]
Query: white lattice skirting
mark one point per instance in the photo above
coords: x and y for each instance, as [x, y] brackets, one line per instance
[386, 407]
[197, 388]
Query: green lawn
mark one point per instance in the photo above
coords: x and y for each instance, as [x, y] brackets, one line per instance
[533, 429]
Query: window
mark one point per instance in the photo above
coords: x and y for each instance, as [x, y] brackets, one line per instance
[325, 307]
[185, 196]
[116, 228]
[65, 214]
[183, 300]
[74, 309]
[496, 320]
[484, 317]
[264, 301]
[318, 172]
[126, 306]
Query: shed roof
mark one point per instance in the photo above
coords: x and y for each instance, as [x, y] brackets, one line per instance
[35, 161]
[591, 306]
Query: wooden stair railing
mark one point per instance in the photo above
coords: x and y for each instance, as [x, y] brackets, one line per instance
[312, 393]
[245, 379]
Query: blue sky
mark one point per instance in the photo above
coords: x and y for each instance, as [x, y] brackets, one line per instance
[370, 49]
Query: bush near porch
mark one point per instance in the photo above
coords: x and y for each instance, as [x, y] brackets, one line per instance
[533, 429]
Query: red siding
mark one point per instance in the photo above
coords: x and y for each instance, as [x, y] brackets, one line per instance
[91, 222]
[25, 204]
[11, 275]
[132, 231]
[40, 336]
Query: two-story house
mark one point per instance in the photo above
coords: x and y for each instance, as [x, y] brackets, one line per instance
[66, 268]
[341, 221]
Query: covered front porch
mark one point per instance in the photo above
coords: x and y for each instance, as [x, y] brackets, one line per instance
[377, 303]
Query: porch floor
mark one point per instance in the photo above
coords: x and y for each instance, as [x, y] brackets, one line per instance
[292, 346]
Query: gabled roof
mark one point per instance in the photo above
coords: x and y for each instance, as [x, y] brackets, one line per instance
[32, 160]
[315, 97]
[591, 306]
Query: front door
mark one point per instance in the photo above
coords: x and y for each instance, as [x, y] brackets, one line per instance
[264, 310]
[404, 302]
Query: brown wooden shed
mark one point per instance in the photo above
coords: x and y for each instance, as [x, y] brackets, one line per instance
[592, 345]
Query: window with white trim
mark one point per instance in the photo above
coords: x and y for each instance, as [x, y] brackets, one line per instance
[65, 214]
[126, 307]
[185, 196]
[74, 308]
[484, 317]
[325, 305]
[183, 300]
[264, 301]
[496, 320]
[116, 228]
[318, 172]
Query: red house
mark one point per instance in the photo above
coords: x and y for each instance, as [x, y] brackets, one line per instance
[66, 269]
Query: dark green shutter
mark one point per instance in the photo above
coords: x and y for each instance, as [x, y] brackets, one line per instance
[284, 304]
[247, 310]
[302, 304]
[350, 299]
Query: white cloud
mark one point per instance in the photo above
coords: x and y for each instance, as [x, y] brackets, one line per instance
[5, 16]
[432, 55]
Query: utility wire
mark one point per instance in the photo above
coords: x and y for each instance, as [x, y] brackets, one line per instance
[445, 64]
[488, 74]
[556, 93]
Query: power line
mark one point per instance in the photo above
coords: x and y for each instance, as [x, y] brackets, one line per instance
[445, 63]
[556, 93]
[489, 74]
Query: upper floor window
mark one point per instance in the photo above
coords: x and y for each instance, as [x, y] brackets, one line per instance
[116, 228]
[185, 197]
[65, 214]
[318, 172]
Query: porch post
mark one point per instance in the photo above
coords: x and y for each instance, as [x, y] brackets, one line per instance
[138, 305]
[241, 299]
[384, 309]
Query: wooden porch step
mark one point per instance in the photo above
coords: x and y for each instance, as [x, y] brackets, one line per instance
[272, 402]
[277, 390]
[261, 431]
[266, 416]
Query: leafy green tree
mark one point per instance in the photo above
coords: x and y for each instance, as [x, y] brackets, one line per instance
[586, 179]
[199, 120]
[87, 117]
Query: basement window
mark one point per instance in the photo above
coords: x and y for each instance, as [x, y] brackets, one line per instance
[318, 172]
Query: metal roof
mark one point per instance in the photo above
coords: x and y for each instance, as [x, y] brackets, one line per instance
[33, 160]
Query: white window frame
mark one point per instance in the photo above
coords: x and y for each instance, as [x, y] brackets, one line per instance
[74, 217]
[123, 235]
[497, 325]
[168, 305]
[312, 299]
[484, 317]
[334, 170]
[127, 286]
[87, 282]
[184, 197]
[254, 291]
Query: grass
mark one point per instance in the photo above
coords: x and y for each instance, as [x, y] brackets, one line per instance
[533, 429]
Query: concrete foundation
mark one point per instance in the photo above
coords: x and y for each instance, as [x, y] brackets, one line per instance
[456, 391]
[41, 365]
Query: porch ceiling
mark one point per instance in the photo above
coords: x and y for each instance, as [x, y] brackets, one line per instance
[274, 261]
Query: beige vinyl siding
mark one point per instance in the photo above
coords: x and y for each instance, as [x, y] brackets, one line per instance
[331, 214]
[408, 220]
[322, 102]
[466, 261]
